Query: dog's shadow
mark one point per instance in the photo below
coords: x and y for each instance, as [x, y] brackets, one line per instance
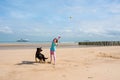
[26, 62]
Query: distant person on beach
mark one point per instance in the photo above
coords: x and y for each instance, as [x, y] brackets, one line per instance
[53, 49]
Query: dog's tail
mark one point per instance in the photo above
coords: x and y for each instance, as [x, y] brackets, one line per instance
[46, 58]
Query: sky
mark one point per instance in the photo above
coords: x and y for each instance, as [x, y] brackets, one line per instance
[73, 20]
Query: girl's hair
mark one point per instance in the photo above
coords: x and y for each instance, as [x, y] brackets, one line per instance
[56, 40]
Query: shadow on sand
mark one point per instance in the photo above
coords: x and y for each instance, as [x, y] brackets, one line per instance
[26, 62]
[31, 63]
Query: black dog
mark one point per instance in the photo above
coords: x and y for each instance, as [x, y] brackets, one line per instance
[39, 55]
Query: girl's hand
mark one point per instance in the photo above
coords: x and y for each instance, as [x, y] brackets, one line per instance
[59, 37]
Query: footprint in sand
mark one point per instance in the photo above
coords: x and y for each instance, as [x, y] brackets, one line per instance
[64, 76]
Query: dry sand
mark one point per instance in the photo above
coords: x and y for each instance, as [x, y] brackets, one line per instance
[90, 63]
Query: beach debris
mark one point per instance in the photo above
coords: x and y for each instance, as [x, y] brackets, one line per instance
[90, 77]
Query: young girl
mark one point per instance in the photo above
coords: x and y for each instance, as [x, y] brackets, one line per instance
[53, 49]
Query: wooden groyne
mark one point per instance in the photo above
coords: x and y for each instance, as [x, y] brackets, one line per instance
[101, 43]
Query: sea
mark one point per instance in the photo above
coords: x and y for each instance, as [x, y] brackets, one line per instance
[15, 42]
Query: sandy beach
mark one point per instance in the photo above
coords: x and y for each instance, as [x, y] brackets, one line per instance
[73, 63]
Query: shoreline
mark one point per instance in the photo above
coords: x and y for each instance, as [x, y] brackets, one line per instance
[8, 46]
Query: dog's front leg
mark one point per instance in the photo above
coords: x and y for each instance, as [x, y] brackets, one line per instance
[36, 60]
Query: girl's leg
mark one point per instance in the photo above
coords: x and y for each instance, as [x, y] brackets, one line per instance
[51, 56]
[54, 56]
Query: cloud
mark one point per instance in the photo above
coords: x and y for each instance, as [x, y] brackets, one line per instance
[67, 30]
[5, 29]
[90, 18]
[20, 14]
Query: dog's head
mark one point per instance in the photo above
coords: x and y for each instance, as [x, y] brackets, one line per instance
[39, 49]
